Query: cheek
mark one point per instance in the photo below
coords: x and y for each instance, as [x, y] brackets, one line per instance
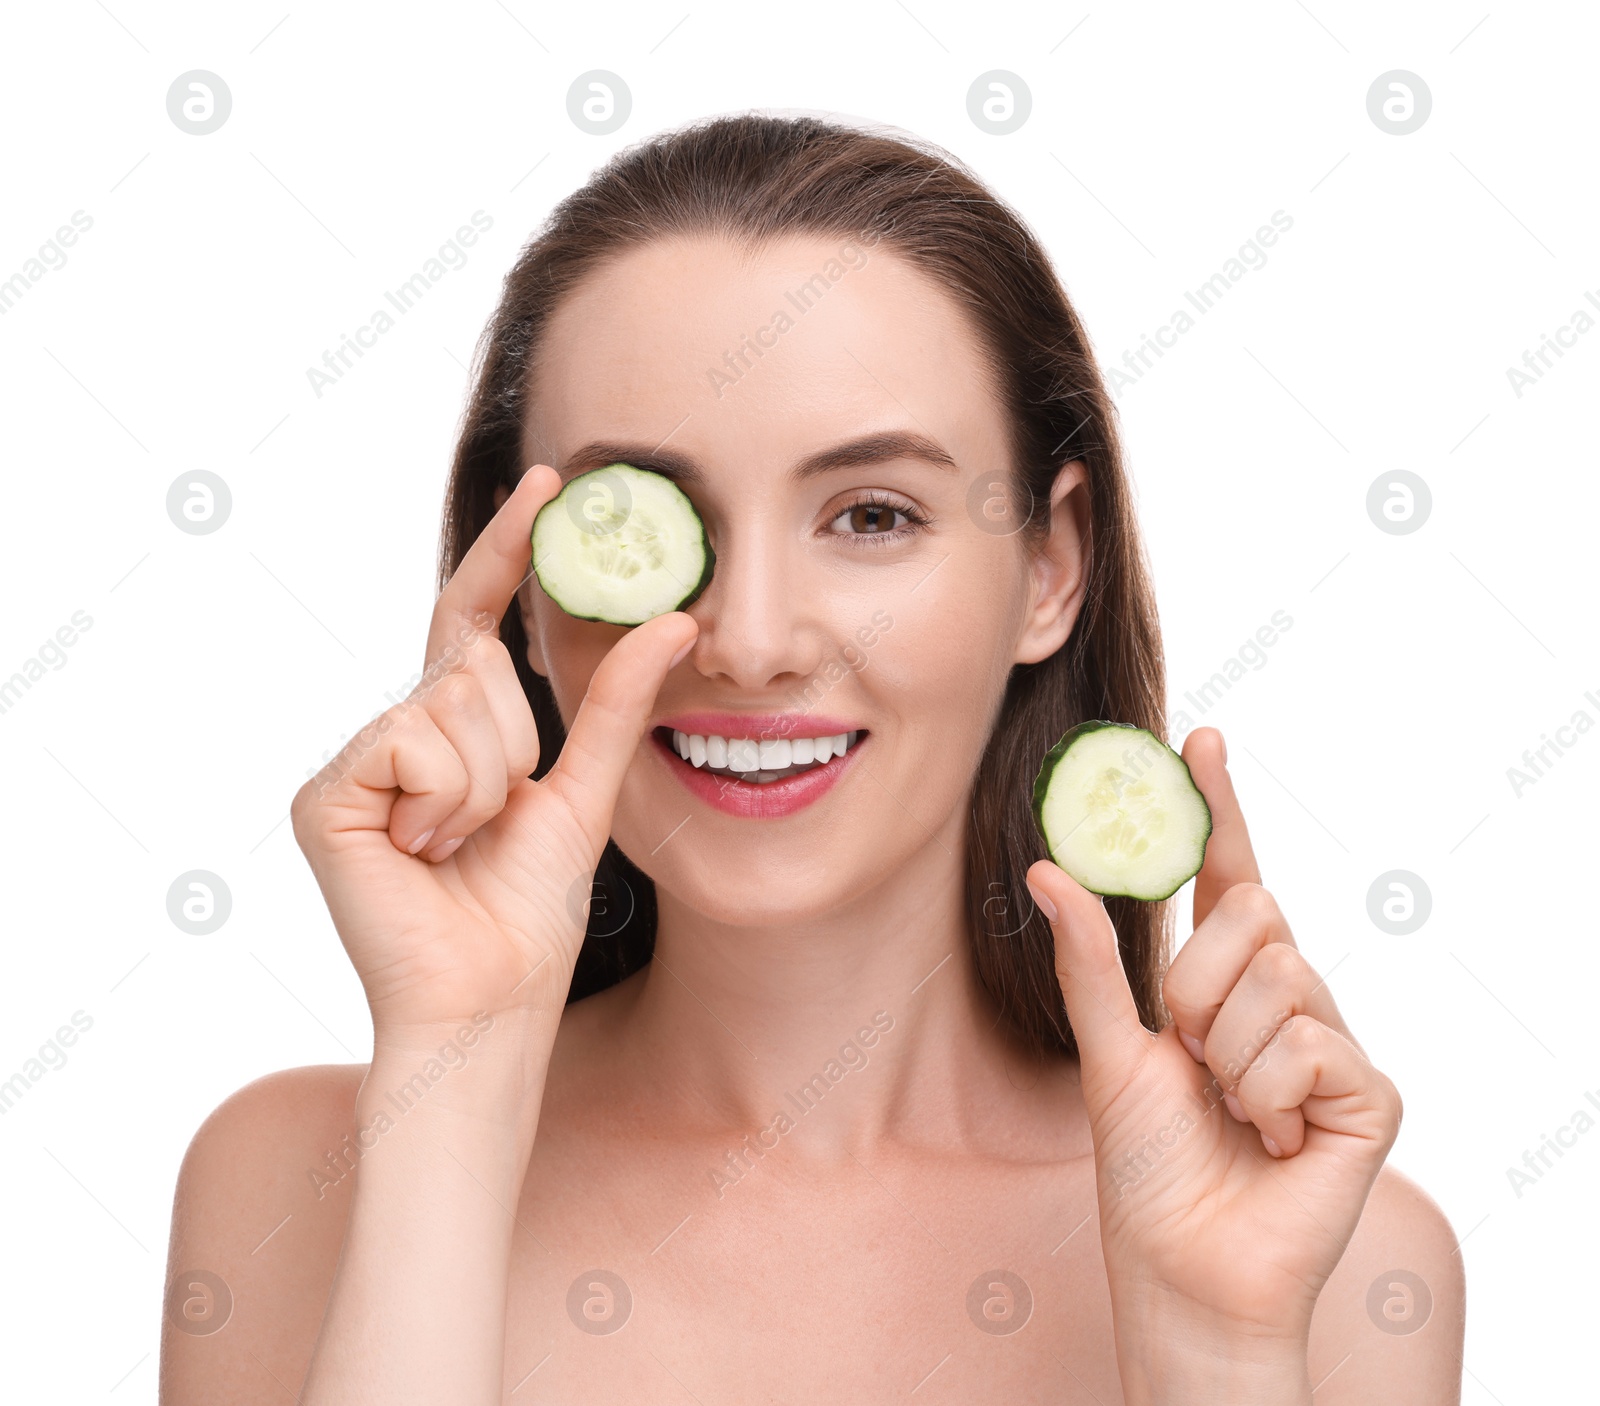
[955, 627]
[939, 672]
[572, 650]
[949, 656]
[938, 682]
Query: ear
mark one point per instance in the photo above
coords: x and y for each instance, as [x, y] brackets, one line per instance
[1059, 568]
[523, 604]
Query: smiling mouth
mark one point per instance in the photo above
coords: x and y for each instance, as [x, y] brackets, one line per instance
[757, 761]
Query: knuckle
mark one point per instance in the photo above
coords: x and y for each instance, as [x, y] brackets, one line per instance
[1252, 902]
[1279, 967]
[1298, 1032]
[456, 784]
[1254, 1080]
[454, 695]
[363, 741]
[1388, 1099]
[301, 809]
[1172, 989]
[1288, 1040]
[409, 723]
[1231, 1069]
[491, 649]
[427, 765]
[1181, 998]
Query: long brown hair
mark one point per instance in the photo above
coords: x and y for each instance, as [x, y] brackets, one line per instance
[754, 177]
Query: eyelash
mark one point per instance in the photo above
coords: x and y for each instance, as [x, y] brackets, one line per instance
[915, 520]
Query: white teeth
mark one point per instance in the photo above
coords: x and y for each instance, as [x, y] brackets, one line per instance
[759, 755]
[774, 753]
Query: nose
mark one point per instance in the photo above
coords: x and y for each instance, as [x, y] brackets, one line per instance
[759, 626]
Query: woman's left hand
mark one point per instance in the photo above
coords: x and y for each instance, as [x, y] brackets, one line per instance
[1235, 1149]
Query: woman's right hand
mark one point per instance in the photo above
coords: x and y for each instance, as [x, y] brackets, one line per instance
[458, 885]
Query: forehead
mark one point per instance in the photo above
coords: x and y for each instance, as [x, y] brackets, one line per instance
[765, 351]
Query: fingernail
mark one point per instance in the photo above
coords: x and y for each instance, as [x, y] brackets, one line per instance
[445, 850]
[421, 840]
[1235, 1107]
[1045, 905]
[1271, 1146]
[1197, 1051]
[678, 657]
[1224, 742]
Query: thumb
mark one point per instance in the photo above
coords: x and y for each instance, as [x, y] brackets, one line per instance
[605, 735]
[1111, 1038]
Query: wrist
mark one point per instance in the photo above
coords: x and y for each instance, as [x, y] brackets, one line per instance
[499, 1034]
[489, 1068]
[1180, 1354]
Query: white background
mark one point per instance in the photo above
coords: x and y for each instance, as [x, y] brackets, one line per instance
[220, 668]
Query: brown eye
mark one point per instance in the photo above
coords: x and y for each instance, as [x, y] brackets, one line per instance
[871, 517]
[870, 522]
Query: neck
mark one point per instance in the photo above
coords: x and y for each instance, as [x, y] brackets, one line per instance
[861, 1024]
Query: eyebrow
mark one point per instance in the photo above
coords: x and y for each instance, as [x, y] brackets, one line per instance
[881, 447]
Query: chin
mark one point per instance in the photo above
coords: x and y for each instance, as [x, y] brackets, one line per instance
[789, 884]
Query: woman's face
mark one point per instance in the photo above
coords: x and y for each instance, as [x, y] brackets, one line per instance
[825, 408]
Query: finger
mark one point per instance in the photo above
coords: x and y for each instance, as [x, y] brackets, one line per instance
[605, 734]
[1311, 1079]
[402, 749]
[1278, 985]
[460, 711]
[1208, 966]
[1100, 1005]
[495, 565]
[1229, 857]
[489, 662]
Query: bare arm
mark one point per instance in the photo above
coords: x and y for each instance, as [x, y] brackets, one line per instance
[417, 1307]
[341, 1233]
[450, 875]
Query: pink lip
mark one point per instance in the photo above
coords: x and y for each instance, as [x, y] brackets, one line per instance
[756, 726]
[747, 799]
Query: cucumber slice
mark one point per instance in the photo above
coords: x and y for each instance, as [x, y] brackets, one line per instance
[621, 545]
[1120, 811]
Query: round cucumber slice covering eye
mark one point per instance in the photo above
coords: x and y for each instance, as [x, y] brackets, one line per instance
[621, 545]
[1120, 811]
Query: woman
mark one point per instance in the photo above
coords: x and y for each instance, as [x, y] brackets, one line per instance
[827, 1088]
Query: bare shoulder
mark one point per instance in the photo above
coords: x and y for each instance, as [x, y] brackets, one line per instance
[258, 1219]
[1390, 1322]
